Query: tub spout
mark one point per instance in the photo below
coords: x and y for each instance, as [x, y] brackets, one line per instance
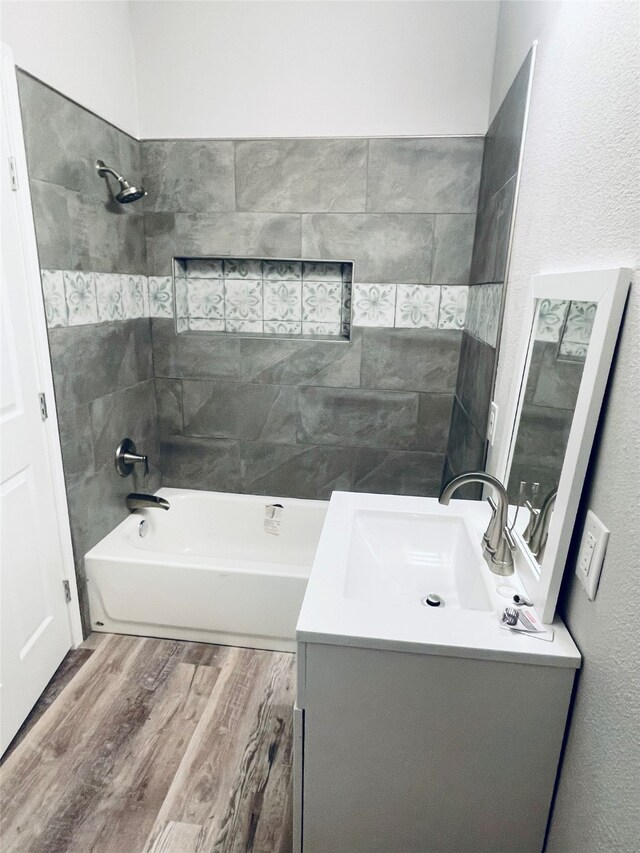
[135, 501]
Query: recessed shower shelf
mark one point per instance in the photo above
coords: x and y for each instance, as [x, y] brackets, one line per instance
[275, 297]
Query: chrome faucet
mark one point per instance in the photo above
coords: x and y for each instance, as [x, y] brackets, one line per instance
[540, 530]
[497, 540]
[135, 501]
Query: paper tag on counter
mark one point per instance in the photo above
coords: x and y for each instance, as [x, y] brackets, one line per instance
[272, 519]
[528, 624]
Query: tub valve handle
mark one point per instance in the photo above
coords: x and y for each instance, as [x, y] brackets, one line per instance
[127, 457]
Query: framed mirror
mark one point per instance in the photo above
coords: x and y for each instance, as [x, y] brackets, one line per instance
[569, 336]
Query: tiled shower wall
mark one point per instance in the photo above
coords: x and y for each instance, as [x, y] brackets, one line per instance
[466, 448]
[102, 373]
[301, 418]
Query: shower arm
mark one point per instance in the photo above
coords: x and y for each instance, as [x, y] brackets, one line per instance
[103, 170]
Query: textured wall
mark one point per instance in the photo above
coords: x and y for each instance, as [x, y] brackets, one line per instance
[467, 438]
[102, 373]
[579, 209]
[301, 418]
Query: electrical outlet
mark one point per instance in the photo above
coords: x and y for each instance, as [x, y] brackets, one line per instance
[493, 419]
[593, 546]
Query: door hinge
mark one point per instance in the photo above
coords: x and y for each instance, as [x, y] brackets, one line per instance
[67, 591]
[13, 174]
[43, 406]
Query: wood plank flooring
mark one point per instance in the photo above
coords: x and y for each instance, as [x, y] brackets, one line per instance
[156, 746]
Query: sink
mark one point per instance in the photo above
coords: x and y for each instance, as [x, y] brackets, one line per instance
[406, 556]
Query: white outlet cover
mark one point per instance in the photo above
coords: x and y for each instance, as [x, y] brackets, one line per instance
[593, 547]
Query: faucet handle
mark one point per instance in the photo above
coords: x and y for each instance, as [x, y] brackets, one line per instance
[127, 457]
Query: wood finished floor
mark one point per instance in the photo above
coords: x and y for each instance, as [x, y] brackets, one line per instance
[155, 746]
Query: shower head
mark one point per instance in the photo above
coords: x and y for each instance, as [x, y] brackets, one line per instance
[127, 192]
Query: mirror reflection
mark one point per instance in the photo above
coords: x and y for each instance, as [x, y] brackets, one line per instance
[561, 334]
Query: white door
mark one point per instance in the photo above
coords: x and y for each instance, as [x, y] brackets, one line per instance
[34, 628]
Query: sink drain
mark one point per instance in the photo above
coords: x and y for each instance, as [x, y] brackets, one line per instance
[432, 600]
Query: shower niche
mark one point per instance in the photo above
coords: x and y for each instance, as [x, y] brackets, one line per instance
[263, 296]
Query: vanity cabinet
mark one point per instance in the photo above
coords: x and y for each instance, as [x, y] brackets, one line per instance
[404, 752]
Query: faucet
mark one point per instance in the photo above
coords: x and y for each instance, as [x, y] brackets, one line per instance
[540, 531]
[135, 501]
[497, 540]
[127, 456]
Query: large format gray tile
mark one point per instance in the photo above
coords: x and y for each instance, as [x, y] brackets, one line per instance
[270, 235]
[491, 241]
[424, 175]
[74, 426]
[125, 413]
[201, 463]
[434, 416]
[56, 212]
[410, 359]
[243, 411]
[474, 385]
[50, 124]
[99, 140]
[91, 361]
[397, 472]
[386, 247]
[553, 382]
[188, 175]
[302, 362]
[453, 247]
[301, 175]
[300, 471]
[466, 448]
[357, 418]
[169, 406]
[194, 356]
[504, 137]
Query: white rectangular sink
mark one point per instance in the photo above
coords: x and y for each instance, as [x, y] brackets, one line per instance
[380, 556]
[407, 556]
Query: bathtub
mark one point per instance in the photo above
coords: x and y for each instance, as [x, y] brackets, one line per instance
[206, 570]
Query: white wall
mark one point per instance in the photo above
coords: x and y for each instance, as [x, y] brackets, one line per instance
[579, 207]
[82, 49]
[230, 69]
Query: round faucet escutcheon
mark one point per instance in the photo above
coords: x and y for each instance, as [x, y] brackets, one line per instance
[433, 600]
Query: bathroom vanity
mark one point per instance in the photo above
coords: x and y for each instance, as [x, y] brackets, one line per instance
[421, 729]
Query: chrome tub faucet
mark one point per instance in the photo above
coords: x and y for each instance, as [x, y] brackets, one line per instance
[497, 540]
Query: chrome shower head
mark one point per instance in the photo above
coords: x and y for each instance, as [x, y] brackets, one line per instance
[127, 192]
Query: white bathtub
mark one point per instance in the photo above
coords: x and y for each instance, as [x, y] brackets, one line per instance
[206, 570]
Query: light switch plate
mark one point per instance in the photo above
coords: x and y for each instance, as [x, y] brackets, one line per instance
[593, 546]
[493, 420]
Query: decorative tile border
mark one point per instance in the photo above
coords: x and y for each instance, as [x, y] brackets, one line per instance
[262, 296]
[568, 324]
[410, 306]
[483, 312]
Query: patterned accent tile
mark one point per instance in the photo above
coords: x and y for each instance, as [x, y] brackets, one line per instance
[80, 295]
[332, 329]
[205, 325]
[253, 326]
[282, 300]
[182, 324]
[135, 297]
[453, 307]
[55, 304]
[204, 268]
[580, 322]
[483, 312]
[160, 296]
[317, 271]
[205, 299]
[282, 327]
[417, 306]
[182, 306]
[238, 268]
[345, 312]
[109, 296]
[243, 299]
[322, 301]
[282, 270]
[374, 304]
[551, 319]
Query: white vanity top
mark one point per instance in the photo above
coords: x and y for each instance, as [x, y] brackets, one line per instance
[376, 562]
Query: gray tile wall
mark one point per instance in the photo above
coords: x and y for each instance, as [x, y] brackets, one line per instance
[474, 386]
[102, 373]
[303, 418]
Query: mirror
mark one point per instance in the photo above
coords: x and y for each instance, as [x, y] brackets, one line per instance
[568, 343]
